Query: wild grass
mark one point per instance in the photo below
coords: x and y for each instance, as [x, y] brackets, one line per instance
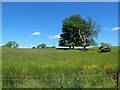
[43, 68]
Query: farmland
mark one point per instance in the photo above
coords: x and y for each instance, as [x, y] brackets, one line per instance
[53, 68]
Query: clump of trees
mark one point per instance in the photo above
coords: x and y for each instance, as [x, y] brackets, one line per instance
[77, 31]
[43, 45]
[11, 44]
[105, 47]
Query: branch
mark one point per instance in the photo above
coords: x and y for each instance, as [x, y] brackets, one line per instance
[83, 38]
[80, 35]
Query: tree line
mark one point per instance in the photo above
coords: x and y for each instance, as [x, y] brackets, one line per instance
[13, 44]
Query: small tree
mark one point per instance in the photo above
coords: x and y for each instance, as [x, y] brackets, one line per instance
[11, 44]
[41, 45]
[105, 47]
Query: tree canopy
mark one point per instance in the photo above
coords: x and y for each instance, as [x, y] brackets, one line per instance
[43, 45]
[11, 44]
[105, 47]
[77, 31]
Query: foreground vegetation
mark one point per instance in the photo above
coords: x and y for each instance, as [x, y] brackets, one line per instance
[52, 68]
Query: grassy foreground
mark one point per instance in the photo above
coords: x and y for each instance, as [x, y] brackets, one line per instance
[52, 68]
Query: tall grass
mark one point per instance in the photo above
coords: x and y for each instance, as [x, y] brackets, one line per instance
[43, 68]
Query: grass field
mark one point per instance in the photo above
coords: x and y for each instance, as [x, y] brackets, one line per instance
[52, 68]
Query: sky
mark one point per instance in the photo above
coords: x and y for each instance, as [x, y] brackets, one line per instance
[60, 0]
[33, 23]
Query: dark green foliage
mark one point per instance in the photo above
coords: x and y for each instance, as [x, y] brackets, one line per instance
[11, 44]
[53, 47]
[3, 46]
[70, 31]
[105, 47]
[41, 45]
[33, 47]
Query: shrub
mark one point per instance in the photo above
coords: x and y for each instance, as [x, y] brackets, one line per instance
[3, 46]
[105, 47]
[53, 47]
[33, 47]
[41, 45]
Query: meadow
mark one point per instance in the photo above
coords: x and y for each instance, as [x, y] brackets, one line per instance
[53, 68]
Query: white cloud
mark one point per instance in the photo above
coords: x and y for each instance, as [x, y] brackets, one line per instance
[116, 28]
[55, 36]
[35, 33]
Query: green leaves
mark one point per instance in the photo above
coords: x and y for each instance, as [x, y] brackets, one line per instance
[11, 44]
[105, 47]
[41, 45]
[70, 31]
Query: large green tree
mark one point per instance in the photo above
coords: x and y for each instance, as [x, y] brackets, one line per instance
[77, 31]
[11, 44]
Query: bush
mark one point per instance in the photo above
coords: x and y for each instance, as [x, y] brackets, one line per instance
[3, 46]
[105, 47]
[41, 45]
[33, 47]
[53, 47]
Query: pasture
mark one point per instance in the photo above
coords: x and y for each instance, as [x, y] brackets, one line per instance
[53, 68]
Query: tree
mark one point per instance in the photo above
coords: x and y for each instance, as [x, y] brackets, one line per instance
[89, 33]
[41, 45]
[77, 31]
[105, 47]
[12, 44]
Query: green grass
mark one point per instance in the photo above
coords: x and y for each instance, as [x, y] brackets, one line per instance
[48, 68]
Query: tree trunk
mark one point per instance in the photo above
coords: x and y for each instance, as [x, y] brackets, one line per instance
[84, 47]
[73, 47]
[83, 40]
[70, 47]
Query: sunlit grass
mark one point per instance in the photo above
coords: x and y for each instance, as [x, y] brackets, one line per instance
[42, 68]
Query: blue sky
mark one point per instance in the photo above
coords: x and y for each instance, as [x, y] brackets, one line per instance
[30, 24]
